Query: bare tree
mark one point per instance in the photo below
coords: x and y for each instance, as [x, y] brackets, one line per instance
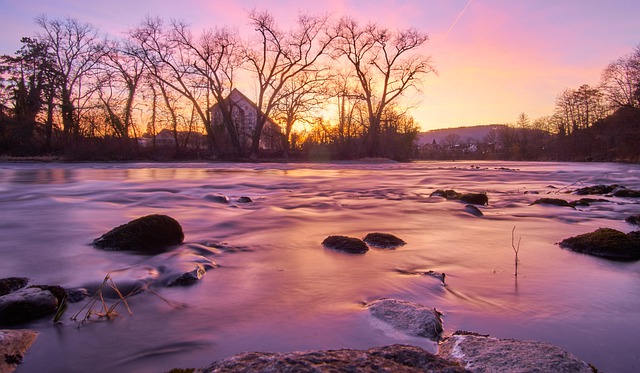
[278, 57]
[120, 75]
[216, 58]
[385, 65]
[300, 96]
[170, 62]
[76, 49]
[621, 81]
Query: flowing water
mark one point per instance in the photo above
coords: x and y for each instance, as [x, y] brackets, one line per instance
[276, 288]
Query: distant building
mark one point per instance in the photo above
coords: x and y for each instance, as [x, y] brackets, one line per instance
[244, 113]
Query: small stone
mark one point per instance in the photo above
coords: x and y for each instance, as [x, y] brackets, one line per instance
[383, 240]
[633, 219]
[218, 198]
[244, 200]
[188, 278]
[27, 304]
[346, 244]
[475, 198]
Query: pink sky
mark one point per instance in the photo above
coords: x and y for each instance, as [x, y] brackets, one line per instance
[501, 57]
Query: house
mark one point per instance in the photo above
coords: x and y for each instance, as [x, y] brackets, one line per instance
[243, 113]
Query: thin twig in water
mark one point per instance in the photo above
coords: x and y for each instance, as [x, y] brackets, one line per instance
[516, 249]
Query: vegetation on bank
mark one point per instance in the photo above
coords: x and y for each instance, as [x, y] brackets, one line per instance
[337, 88]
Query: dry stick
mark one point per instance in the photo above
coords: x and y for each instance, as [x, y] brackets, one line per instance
[515, 249]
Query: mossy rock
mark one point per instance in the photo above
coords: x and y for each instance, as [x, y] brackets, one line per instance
[607, 243]
[552, 201]
[597, 189]
[346, 244]
[148, 234]
[383, 240]
[473, 198]
[11, 284]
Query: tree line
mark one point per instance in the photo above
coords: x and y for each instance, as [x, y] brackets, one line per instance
[589, 123]
[335, 86]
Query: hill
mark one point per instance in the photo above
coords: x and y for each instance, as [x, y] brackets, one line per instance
[473, 133]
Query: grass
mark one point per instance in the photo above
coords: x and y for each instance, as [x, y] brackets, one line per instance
[516, 249]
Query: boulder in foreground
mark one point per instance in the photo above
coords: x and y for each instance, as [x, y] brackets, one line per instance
[394, 358]
[607, 243]
[30, 303]
[346, 244]
[148, 234]
[383, 240]
[486, 354]
[13, 345]
[410, 318]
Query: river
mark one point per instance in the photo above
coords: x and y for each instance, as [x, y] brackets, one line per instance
[276, 288]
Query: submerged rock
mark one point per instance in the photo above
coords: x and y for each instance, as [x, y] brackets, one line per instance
[31, 303]
[473, 198]
[552, 201]
[623, 192]
[13, 345]
[410, 318]
[394, 358]
[188, 278]
[11, 284]
[148, 234]
[244, 199]
[346, 244]
[485, 354]
[607, 243]
[597, 189]
[218, 198]
[383, 240]
[633, 219]
[471, 209]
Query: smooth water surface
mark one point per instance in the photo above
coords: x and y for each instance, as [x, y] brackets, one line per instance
[276, 288]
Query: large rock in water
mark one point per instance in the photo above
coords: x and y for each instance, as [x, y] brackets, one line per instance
[411, 318]
[485, 354]
[607, 243]
[31, 303]
[13, 345]
[394, 358]
[148, 234]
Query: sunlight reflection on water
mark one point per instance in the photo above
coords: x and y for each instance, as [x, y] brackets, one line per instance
[278, 289]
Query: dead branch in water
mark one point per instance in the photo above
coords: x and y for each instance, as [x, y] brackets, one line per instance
[516, 249]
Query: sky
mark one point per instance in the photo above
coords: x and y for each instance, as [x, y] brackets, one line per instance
[494, 59]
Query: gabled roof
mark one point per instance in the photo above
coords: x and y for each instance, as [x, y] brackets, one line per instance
[245, 98]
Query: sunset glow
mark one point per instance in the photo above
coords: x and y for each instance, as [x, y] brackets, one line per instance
[495, 58]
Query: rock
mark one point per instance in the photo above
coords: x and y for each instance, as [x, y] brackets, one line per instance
[188, 278]
[244, 200]
[596, 189]
[552, 201]
[347, 244]
[485, 354]
[148, 234]
[394, 358]
[410, 318]
[11, 284]
[28, 304]
[623, 192]
[473, 198]
[218, 198]
[607, 243]
[13, 345]
[633, 219]
[383, 240]
[471, 209]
